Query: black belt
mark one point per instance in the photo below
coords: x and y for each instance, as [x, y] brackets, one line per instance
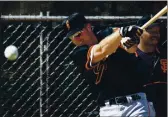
[121, 99]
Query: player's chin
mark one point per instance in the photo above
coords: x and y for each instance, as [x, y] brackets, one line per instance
[77, 43]
[155, 42]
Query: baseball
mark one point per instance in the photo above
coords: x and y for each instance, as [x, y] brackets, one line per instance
[11, 52]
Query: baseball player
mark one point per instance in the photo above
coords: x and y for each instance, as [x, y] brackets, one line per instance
[108, 59]
[153, 63]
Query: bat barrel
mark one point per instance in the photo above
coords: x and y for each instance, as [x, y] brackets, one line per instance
[153, 19]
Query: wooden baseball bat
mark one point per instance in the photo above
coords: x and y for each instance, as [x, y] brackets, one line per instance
[153, 19]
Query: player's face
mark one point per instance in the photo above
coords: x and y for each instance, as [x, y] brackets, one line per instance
[76, 38]
[82, 37]
[151, 36]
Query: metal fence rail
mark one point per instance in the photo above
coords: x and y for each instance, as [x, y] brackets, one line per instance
[60, 18]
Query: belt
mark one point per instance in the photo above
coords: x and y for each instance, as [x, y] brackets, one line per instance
[121, 100]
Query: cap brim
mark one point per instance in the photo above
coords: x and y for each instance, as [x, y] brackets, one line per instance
[73, 32]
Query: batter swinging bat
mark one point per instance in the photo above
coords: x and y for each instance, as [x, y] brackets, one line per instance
[153, 19]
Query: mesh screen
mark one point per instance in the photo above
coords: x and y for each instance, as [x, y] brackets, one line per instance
[43, 81]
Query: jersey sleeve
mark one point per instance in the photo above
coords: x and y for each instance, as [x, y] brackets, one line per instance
[89, 65]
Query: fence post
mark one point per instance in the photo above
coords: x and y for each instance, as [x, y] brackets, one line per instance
[47, 68]
[41, 71]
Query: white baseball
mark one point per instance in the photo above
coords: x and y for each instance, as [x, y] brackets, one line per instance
[11, 52]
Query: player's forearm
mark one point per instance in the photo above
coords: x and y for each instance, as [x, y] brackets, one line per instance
[110, 44]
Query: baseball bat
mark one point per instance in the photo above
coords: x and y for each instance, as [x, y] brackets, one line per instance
[153, 19]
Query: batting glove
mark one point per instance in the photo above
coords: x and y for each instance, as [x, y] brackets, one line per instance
[134, 32]
[128, 42]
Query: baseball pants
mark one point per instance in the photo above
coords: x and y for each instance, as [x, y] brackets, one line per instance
[137, 108]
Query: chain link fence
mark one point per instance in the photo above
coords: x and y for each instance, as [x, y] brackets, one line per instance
[43, 81]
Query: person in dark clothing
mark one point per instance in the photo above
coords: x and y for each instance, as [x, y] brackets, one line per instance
[109, 58]
[154, 65]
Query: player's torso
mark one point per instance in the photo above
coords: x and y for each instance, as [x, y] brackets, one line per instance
[121, 76]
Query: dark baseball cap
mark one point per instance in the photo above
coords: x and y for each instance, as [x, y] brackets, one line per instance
[74, 23]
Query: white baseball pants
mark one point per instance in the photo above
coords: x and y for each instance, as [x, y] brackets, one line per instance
[138, 108]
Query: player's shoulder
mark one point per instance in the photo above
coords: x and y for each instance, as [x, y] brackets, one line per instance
[108, 30]
[81, 49]
[79, 56]
[79, 52]
[101, 34]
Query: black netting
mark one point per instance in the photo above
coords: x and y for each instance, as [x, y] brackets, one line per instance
[43, 81]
